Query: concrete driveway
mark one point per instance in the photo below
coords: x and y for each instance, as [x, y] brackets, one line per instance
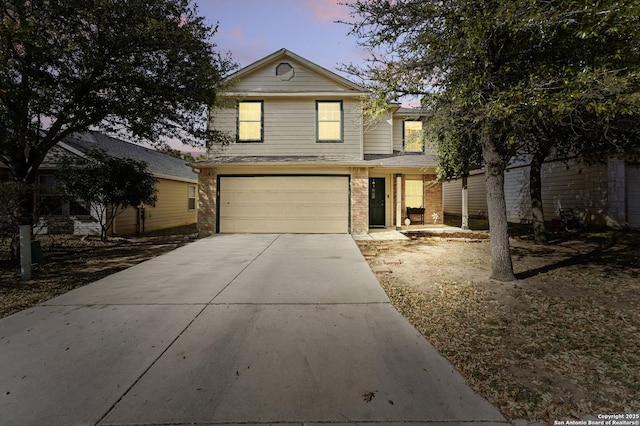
[233, 329]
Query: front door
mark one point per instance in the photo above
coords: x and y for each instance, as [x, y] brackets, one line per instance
[376, 203]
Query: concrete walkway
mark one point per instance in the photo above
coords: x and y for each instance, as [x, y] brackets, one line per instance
[233, 329]
[386, 234]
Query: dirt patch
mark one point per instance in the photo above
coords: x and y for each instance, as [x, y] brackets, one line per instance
[559, 343]
[73, 261]
[416, 235]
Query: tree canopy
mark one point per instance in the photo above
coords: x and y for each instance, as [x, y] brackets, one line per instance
[106, 184]
[145, 67]
[507, 77]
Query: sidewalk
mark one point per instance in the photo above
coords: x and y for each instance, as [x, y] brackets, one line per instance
[381, 234]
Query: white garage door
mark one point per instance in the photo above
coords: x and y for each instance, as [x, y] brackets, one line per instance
[284, 204]
[633, 195]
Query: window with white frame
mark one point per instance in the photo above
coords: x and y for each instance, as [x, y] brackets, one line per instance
[329, 121]
[413, 193]
[191, 197]
[412, 136]
[250, 121]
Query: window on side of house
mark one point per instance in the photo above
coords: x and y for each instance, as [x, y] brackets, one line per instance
[191, 197]
[329, 121]
[50, 200]
[412, 136]
[250, 121]
[414, 193]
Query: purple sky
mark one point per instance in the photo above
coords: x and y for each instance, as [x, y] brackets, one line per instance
[253, 29]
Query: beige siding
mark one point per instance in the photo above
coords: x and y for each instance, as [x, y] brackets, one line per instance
[377, 137]
[397, 134]
[290, 129]
[171, 210]
[304, 80]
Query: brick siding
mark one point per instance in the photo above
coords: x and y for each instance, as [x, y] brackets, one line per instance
[359, 200]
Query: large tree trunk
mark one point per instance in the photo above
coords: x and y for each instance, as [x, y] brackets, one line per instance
[535, 191]
[501, 265]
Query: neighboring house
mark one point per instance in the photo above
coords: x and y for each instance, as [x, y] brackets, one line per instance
[602, 194]
[303, 160]
[177, 190]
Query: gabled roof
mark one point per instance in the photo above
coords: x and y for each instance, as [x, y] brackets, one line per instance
[158, 163]
[284, 53]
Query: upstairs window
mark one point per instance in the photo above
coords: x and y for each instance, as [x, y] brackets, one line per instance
[329, 126]
[250, 121]
[412, 135]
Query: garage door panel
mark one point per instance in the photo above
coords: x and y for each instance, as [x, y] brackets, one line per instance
[284, 204]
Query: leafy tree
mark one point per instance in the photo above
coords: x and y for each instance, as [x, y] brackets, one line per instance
[10, 195]
[146, 67]
[187, 156]
[514, 75]
[458, 55]
[580, 95]
[106, 184]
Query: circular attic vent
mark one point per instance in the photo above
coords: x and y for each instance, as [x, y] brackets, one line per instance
[284, 71]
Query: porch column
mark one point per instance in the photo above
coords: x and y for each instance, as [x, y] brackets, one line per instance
[359, 200]
[465, 204]
[399, 201]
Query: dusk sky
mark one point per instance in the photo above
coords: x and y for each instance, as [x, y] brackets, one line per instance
[253, 29]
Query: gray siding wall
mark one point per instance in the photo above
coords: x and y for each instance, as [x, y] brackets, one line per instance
[582, 188]
[290, 129]
[452, 196]
[516, 194]
[632, 189]
[377, 136]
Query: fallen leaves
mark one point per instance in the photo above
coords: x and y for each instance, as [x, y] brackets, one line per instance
[561, 343]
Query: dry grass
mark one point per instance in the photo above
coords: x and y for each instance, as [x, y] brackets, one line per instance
[560, 343]
[72, 262]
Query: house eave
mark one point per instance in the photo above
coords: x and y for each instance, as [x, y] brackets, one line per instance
[278, 162]
[400, 164]
[268, 94]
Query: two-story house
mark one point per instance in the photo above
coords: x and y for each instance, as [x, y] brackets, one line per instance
[303, 159]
